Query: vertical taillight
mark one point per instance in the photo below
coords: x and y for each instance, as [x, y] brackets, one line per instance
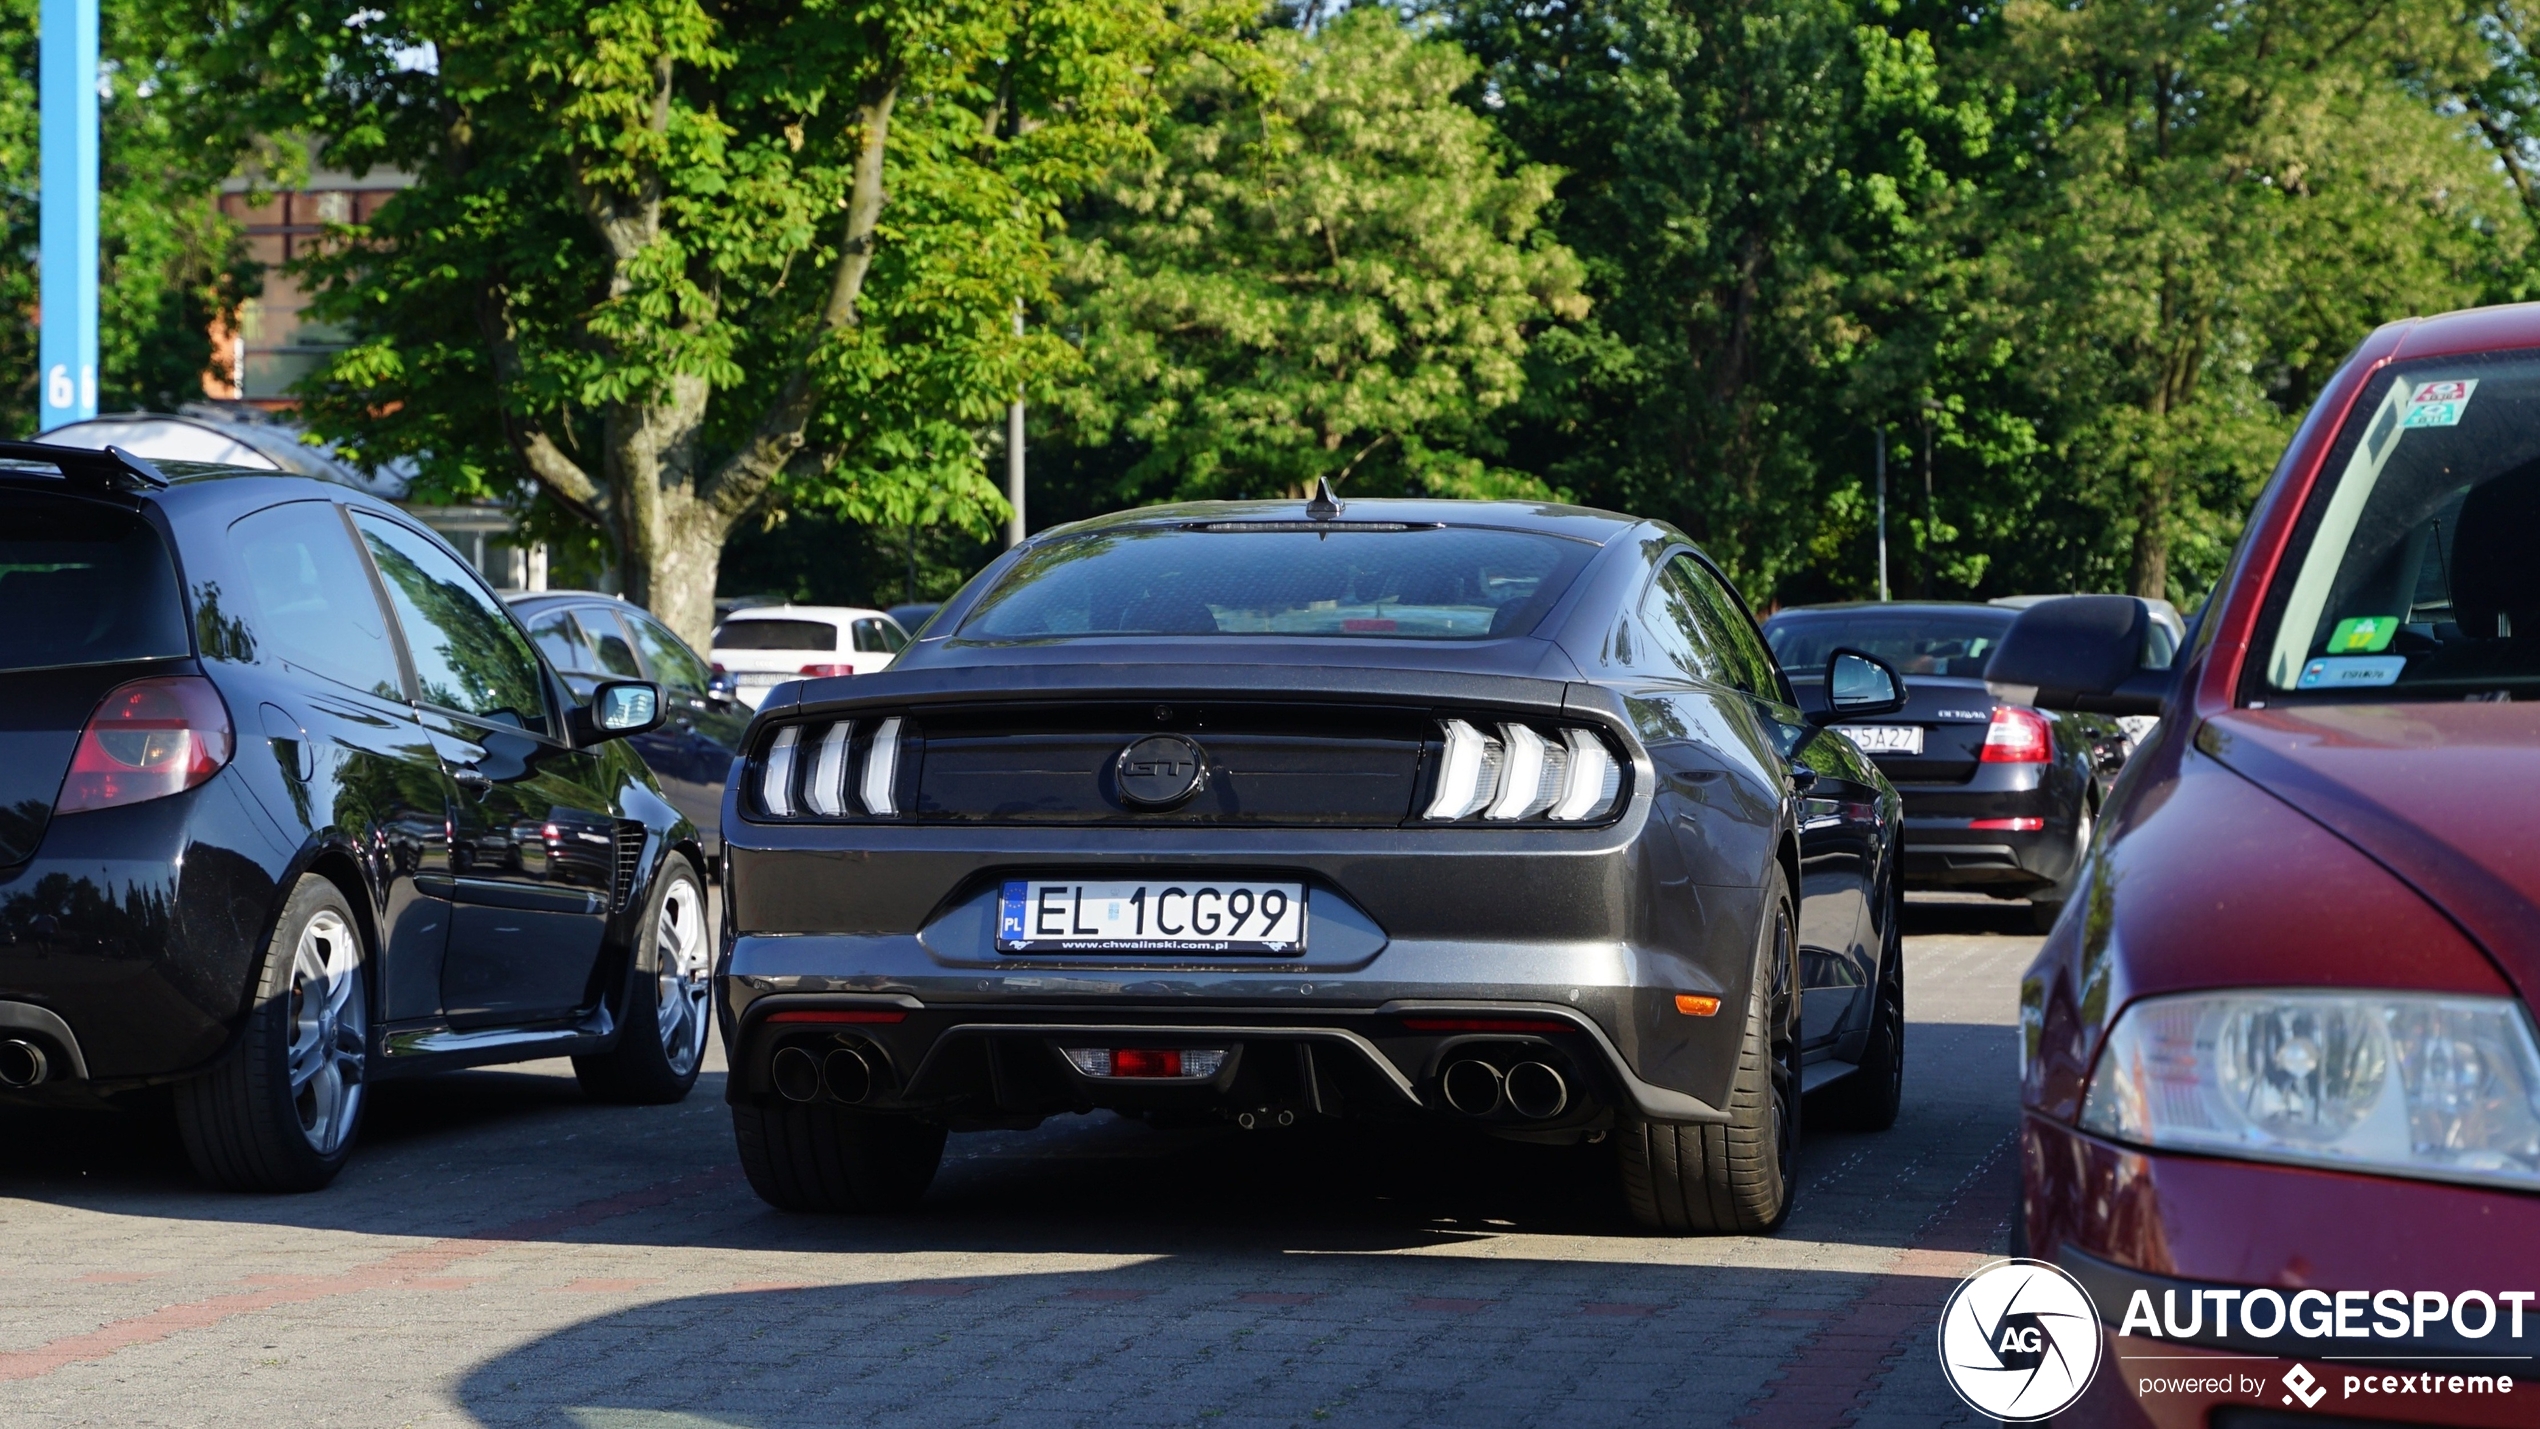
[147, 740]
[882, 772]
[825, 787]
[814, 769]
[776, 774]
[1522, 775]
[2016, 736]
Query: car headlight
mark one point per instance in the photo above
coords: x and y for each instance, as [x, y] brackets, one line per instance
[2407, 1084]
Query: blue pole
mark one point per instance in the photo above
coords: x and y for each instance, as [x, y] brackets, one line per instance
[67, 97]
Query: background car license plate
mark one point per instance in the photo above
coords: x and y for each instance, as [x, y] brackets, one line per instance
[1186, 915]
[1886, 738]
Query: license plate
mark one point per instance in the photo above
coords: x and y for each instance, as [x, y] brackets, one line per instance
[1182, 916]
[749, 679]
[1886, 738]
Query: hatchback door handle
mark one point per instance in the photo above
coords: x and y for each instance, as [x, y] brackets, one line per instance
[472, 779]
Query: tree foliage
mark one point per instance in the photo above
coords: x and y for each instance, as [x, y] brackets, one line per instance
[1326, 268]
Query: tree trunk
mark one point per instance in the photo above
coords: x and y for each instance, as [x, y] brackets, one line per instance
[2150, 573]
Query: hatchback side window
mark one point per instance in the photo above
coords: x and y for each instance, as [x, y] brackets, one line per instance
[561, 641]
[313, 605]
[672, 662]
[469, 655]
[609, 643]
[869, 639]
[1747, 663]
[1678, 642]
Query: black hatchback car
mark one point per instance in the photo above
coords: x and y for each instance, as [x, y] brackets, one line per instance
[289, 805]
[592, 639]
[1495, 815]
[2000, 797]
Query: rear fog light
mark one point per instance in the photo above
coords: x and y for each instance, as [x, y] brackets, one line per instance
[2016, 826]
[1188, 1064]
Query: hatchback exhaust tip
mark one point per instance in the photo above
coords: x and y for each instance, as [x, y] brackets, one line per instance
[1472, 1087]
[1535, 1091]
[22, 1064]
[796, 1074]
[847, 1075]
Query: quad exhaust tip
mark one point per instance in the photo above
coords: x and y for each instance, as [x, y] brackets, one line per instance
[23, 1064]
[1530, 1091]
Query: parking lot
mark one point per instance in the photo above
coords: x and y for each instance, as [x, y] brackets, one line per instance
[501, 1252]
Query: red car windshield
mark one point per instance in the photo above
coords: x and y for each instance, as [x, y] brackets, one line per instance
[2413, 573]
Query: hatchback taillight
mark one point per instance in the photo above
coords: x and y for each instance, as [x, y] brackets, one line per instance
[1514, 771]
[147, 740]
[822, 672]
[2016, 736]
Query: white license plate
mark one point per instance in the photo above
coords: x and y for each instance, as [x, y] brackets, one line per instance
[1887, 738]
[1206, 915]
[762, 680]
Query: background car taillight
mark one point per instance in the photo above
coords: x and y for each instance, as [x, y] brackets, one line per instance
[826, 769]
[825, 671]
[1514, 771]
[147, 740]
[2016, 736]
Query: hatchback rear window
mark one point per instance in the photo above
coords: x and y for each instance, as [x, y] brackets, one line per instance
[776, 635]
[1379, 581]
[84, 584]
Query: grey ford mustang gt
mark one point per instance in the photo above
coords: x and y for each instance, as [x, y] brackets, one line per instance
[1495, 814]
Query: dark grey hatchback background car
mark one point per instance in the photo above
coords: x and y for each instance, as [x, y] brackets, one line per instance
[1490, 813]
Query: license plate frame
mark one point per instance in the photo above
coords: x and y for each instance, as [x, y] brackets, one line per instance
[1136, 917]
[1886, 738]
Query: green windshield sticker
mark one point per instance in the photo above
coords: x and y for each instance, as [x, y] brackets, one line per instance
[2438, 404]
[2363, 635]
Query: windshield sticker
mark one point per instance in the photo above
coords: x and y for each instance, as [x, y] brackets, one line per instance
[2438, 404]
[2363, 635]
[2348, 672]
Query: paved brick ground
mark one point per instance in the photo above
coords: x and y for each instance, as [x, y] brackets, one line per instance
[503, 1254]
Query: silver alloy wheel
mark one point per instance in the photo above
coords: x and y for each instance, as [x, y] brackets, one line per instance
[682, 958]
[330, 1030]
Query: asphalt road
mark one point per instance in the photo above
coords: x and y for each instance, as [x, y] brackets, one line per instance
[502, 1253]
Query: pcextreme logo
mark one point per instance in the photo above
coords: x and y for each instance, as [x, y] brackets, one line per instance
[2019, 1340]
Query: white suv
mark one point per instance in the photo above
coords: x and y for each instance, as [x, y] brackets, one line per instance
[763, 646]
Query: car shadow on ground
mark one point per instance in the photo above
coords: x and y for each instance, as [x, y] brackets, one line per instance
[1967, 915]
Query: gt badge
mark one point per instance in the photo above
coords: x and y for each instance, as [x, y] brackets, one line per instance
[1161, 770]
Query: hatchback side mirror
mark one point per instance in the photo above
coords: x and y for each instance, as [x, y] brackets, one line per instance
[618, 708]
[1860, 686]
[2082, 652]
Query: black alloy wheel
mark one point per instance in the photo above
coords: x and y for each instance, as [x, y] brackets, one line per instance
[1736, 1178]
[1869, 1099]
[279, 1110]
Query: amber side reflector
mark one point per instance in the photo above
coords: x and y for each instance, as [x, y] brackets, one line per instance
[1694, 1004]
[1486, 1024]
[840, 1014]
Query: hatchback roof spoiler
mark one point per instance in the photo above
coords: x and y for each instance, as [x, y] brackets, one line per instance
[113, 467]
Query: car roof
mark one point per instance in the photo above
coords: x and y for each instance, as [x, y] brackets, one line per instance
[1900, 607]
[805, 612]
[1551, 518]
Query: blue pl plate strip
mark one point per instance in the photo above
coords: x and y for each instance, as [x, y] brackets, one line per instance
[1010, 910]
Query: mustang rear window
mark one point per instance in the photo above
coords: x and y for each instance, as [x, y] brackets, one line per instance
[84, 584]
[2411, 573]
[1384, 582]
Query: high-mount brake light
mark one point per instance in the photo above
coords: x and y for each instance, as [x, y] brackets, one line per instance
[147, 740]
[1522, 775]
[2016, 736]
[881, 772]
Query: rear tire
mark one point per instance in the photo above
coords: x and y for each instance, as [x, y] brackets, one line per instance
[1869, 1099]
[1736, 1178]
[661, 1041]
[822, 1158]
[279, 1110]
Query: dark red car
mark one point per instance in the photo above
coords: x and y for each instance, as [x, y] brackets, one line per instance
[2280, 1082]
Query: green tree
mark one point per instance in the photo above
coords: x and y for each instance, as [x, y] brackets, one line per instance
[170, 267]
[2220, 203]
[1326, 268]
[676, 260]
[1756, 189]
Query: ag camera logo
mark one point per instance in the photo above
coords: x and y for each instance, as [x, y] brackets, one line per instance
[2019, 1340]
